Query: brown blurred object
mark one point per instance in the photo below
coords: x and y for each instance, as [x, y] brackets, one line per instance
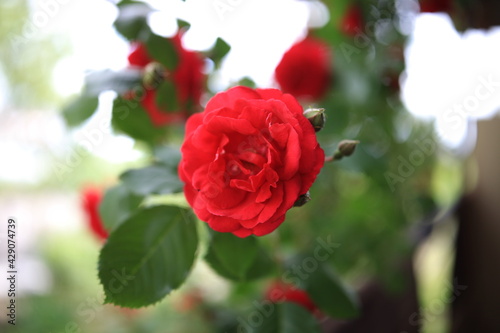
[481, 14]
[478, 241]
[383, 311]
[188, 301]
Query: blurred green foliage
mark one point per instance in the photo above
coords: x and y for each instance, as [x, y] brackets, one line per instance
[28, 57]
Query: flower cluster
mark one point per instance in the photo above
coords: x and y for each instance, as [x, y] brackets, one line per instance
[187, 77]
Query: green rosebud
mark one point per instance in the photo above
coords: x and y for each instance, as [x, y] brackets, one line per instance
[154, 75]
[347, 147]
[316, 117]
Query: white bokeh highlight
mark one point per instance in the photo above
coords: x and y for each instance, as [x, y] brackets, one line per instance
[452, 78]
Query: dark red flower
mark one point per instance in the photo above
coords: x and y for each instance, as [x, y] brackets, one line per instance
[157, 115]
[91, 197]
[305, 70]
[187, 77]
[247, 158]
[352, 22]
[390, 79]
[281, 292]
[435, 6]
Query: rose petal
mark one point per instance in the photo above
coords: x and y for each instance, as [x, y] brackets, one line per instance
[193, 123]
[292, 156]
[268, 227]
[272, 204]
[309, 177]
[279, 134]
[242, 233]
[190, 193]
[229, 98]
[246, 210]
[223, 224]
[291, 192]
[256, 113]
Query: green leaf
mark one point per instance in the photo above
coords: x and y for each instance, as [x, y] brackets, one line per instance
[166, 97]
[130, 117]
[282, 318]
[183, 25]
[117, 205]
[120, 82]
[154, 179]
[80, 109]
[234, 254]
[168, 155]
[247, 82]
[132, 22]
[219, 51]
[330, 295]
[162, 50]
[261, 267]
[148, 256]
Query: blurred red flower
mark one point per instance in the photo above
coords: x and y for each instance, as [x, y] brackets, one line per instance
[305, 70]
[189, 301]
[435, 6]
[352, 22]
[282, 292]
[187, 77]
[91, 198]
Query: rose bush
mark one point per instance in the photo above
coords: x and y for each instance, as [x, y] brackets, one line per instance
[305, 70]
[91, 198]
[188, 79]
[247, 158]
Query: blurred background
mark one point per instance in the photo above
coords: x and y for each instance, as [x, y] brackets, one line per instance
[414, 211]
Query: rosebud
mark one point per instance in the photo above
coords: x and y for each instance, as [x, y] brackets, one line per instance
[154, 75]
[302, 200]
[347, 147]
[316, 117]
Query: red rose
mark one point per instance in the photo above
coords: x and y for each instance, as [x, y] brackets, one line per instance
[305, 70]
[352, 22]
[91, 197]
[247, 158]
[187, 77]
[435, 6]
[280, 292]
